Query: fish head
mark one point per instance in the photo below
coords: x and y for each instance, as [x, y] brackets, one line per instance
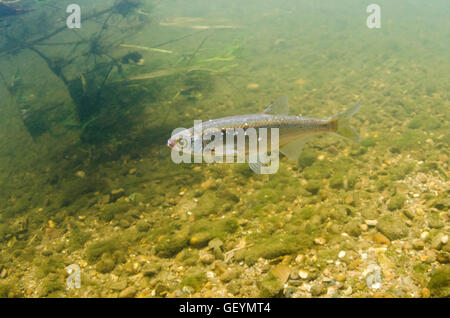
[185, 141]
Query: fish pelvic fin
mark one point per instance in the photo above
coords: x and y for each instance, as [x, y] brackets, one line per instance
[341, 124]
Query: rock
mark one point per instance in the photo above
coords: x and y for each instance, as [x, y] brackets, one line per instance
[230, 275]
[200, 240]
[270, 286]
[4, 273]
[426, 293]
[418, 245]
[317, 290]
[116, 194]
[352, 228]
[128, 292]
[281, 272]
[371, 222]
[132, 171]
[253, 86]
[396, 202]
[303, 274]
[151, 269]
[320, 241]
[439, 284]
[392, 227]
[439, 241]
[341, 254]
[80, 174]
[379, 238]
[119, 285]
[142, 226]
[443, 258]
[207, 258]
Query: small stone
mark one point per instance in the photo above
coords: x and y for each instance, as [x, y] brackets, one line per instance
[253, 86]
[371, 223]
[119, 285]
[128, 292]
[151, 269]
[132, 171]
[80, 174]
[230, 275]
[418, 245]
[426, 293]
[424, 235]
[379, 238]
[299, 258]
[320, 241]
[341, 277]
[281, 272]
[341, 254]
[439, 240]
[442, 258]
[393, 227]
[116, 194]
[303, 274]
[4, 273]
[207, 258]
[317, 290]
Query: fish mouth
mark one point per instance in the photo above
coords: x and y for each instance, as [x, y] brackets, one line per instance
[170, 143]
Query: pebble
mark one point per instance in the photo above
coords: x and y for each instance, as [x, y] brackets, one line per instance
[371, 222]
[320, 241]
[281, 272]
[253, 86]
[299, 258]
[379, 238]
[80, 174]
[132, 171]
[207, 258]
[426, 293]
[303, 274]
[317, 290]
[341, 254]
[424, 235]
[418, 245]
[128, 292]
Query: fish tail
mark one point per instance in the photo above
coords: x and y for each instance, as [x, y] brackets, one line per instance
[341, 124]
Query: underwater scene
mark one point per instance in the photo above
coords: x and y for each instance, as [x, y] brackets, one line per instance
[96, 101]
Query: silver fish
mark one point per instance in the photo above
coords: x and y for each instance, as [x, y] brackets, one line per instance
[293, 130]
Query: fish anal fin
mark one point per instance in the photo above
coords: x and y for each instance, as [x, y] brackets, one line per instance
[293, 149]
[278, 107]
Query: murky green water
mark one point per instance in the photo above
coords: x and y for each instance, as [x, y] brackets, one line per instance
[86, 177]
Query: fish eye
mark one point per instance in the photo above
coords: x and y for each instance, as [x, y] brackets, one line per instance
[182, 142]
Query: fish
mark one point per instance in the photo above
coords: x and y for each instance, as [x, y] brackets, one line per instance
[294, 131]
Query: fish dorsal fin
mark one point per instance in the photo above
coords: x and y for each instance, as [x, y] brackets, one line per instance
[278, 107]
[293, 149]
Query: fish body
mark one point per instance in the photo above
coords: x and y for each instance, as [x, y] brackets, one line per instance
[293, 131]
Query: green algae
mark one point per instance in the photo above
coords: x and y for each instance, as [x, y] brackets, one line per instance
[307, 158]
[269, 286]
[113, 247]
[439, 283]
[194, 278]
[396, 202]
[170, 245]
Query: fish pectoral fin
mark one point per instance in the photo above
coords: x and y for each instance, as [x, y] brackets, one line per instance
[278, 107]
[293, 149]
